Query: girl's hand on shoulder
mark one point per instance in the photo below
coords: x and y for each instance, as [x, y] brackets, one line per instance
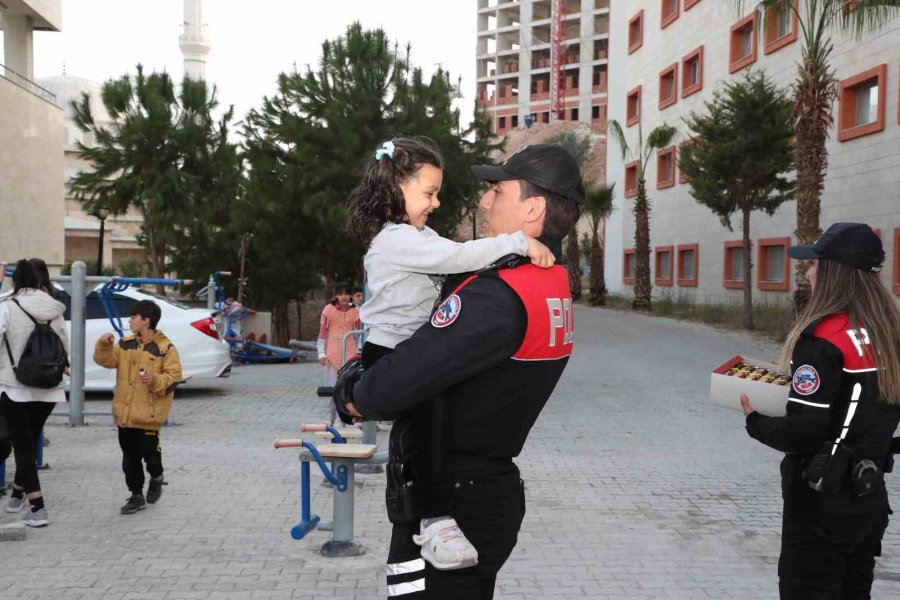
[540, 254]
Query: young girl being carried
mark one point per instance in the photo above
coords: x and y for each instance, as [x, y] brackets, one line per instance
[405, 266]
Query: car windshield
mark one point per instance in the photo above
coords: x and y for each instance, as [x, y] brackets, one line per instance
[163, 298]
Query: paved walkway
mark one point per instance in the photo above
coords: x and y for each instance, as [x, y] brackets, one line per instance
[637, 488]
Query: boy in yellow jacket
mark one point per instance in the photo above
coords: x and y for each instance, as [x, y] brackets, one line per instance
[147, 371]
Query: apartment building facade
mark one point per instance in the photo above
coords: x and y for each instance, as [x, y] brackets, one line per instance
[31, 138]
[670, 57]
[515, 53]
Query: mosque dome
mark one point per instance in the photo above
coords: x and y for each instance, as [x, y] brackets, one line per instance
[68, 88]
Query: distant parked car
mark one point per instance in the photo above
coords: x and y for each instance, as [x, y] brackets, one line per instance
[192, 330]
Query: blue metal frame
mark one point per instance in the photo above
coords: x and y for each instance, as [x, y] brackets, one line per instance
[120, 284]
[308, 521]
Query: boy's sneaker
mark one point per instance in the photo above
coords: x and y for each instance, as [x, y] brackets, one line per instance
[35, 518]
[14, 505]
[154, 490]
[135, 503]
[445, 546]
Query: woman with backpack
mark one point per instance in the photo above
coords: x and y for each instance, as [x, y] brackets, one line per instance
[33, 353]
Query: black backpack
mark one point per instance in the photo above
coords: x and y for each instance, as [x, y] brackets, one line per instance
[43, 361]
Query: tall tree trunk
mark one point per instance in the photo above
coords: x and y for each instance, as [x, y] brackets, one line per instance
[299, 306]
[598, 275]
[573, 262]
[748, 273]
[642, 287]
[815, 91]
[281, 331]
[329, 276]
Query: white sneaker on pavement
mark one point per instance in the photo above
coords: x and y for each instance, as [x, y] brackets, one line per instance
[445, 546]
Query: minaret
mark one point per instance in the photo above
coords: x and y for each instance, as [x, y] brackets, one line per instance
[193, 42]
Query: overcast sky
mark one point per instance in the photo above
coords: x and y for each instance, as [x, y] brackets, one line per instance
[252, 42]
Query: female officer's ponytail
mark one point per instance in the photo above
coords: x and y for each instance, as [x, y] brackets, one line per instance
[841, 288]
[378, 199]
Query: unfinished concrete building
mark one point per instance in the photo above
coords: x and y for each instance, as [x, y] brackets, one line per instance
[541, 61]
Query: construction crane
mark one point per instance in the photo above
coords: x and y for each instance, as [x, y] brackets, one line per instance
[558, 59]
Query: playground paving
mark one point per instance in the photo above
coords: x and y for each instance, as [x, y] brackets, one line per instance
[636, 488]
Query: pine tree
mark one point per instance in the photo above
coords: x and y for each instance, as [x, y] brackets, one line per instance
[740, 157]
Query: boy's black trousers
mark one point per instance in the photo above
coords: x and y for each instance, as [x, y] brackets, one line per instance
[139, 445]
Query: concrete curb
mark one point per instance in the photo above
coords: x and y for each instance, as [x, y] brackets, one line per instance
[12, 532]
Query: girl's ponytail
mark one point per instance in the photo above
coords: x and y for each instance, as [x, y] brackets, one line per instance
[378, 199]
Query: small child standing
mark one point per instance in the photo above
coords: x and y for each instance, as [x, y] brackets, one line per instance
[405, 266]
[147, 371]
[338, 317]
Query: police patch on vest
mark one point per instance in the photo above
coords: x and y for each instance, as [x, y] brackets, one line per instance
[447, 312]
[806, 380]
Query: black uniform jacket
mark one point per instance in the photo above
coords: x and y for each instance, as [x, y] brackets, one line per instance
[834, 395]
[490, 356]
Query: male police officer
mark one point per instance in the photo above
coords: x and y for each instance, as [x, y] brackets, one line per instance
[466, 389]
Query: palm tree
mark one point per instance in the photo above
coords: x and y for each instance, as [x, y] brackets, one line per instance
[598, 204]
[642, 152]
[815, 90]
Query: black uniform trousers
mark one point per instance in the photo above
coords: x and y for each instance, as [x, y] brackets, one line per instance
[829, 558]
[139, 445]
[490, 513]
[829, 541]
[25, 421]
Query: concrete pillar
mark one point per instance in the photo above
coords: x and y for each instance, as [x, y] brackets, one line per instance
[18, 44]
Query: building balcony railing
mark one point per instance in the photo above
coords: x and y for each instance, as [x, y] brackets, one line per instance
[28, 85]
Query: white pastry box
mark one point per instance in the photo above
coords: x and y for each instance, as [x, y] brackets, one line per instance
[766, 397]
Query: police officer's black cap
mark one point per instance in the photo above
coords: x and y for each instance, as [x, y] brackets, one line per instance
[852, 244]
[548, 166]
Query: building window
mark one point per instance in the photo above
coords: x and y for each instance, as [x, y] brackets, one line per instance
[669, 12]
[780, 29]
[734, 265]
[743, 44]
[663, 266]
[774, 265]
[545, 116]
[515, 120]
[636, 32]
[629, 267]
[688, 4]
[688, 264]
[573, 114]
[595, 112]
[692, 73]
[631, 179]
[633, 107]
[668, 86]
[897, 261]
[665, 168]
[863, 98]
[501, 123]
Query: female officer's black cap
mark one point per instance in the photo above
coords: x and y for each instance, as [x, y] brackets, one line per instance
[852, 244]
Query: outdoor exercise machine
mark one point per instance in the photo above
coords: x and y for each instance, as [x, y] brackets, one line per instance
[344, 458]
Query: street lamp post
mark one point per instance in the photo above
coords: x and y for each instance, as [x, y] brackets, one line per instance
[101, 213]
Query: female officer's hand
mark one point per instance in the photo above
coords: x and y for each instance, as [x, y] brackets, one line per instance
[745, 404]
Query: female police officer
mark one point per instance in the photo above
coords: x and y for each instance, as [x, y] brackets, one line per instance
[842, 410]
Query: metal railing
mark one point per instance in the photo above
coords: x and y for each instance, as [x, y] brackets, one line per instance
[28, 85]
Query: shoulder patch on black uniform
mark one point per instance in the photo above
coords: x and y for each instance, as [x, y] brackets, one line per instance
[447, 312]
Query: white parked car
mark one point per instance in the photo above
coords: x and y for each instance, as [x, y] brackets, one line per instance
[192, 330]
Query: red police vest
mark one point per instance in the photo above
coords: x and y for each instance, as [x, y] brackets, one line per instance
[548, 302]
[853, 344]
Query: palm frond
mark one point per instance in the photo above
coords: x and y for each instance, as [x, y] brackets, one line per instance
[662, 136]
[618, 134]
